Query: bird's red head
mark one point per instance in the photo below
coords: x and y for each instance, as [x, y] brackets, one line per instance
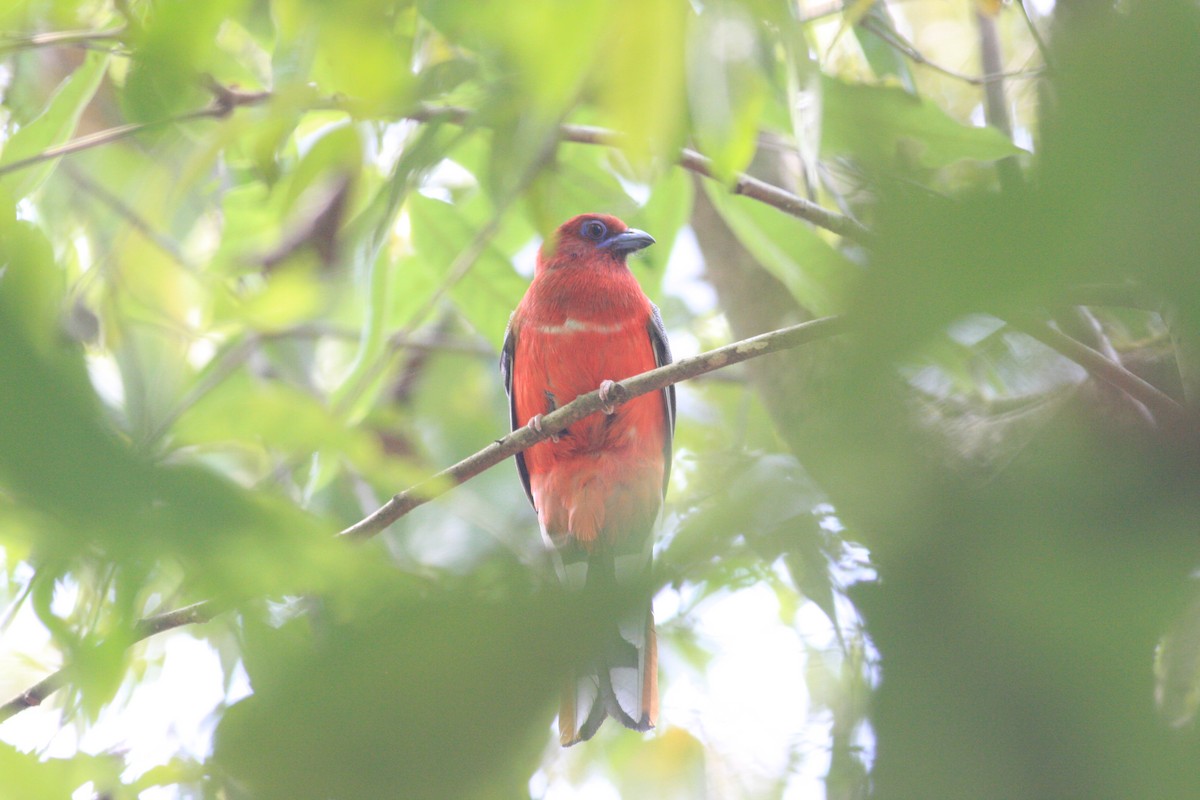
[584, 239]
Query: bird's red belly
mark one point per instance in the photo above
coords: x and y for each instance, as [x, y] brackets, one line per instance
[602, 480]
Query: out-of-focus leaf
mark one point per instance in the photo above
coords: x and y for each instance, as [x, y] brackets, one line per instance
[580, 181]
[351, 49]
[547, 46]
[643, 89]
[671, 765]
[812, 270]
[1177, 668]
[289, 296]
[53, 126]
[176, 772]
[272, 415]
[726, 85]
[885, 59]
[445, 696]
[885, 126]
[177, 44]
[492, 289]
[26, 775]
[336, 148]
[763, 501]
[59, 455]
[663, 216]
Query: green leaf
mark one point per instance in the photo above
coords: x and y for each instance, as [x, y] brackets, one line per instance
[812, 270]
[665, 213]
[880, 124]
[643, 88]
[883, 57]
[177, 45]
[28, 776]
[436, 678]
[271, 415]
[489, 292]
[54, 126]
[360, 51]
[726, 85]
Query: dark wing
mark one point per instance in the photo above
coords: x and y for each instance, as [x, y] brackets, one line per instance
[662, 356]
[508, 355]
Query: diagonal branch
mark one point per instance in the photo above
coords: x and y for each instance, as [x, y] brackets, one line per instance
[907, 49]
[57, 38]
[225, 100]
[36, 694]
[1164, 408]
[585, 405]
[743, 184]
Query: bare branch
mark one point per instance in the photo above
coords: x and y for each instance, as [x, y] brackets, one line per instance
[56, 38]
[196, 613]
[225, 100]
[490, 456]
[1165, 409]
[585, 405]
[913, 54]
[743, 184]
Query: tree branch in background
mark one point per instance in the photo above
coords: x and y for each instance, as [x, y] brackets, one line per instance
[1166, 410]
[781, 199]
[995, 106]
[225, 100]
[56, 38]
[916, 56]
[194, 614]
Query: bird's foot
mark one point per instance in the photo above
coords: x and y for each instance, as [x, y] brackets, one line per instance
[535, 422]
[607, 391]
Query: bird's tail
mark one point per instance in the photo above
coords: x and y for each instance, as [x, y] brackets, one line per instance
[621, 681]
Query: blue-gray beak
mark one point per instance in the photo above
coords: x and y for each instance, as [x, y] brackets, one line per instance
[629, 241]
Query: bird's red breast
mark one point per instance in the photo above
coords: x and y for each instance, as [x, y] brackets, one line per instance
[585, 319]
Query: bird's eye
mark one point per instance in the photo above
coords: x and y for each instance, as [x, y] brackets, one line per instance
[593, 229]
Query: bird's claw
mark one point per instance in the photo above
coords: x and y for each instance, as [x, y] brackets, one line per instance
[607, 390]
[535, 422]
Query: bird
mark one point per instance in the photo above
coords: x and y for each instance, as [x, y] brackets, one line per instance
[598, 486]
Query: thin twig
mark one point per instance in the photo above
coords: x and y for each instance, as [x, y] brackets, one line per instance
[225, 100]
[1164, 408]
[125, 212]
[1037, 36]
[35, 695]
[743, 184]
[56, 38]
[913, 54]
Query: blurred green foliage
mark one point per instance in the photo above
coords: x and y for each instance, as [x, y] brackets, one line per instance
[237, 329]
